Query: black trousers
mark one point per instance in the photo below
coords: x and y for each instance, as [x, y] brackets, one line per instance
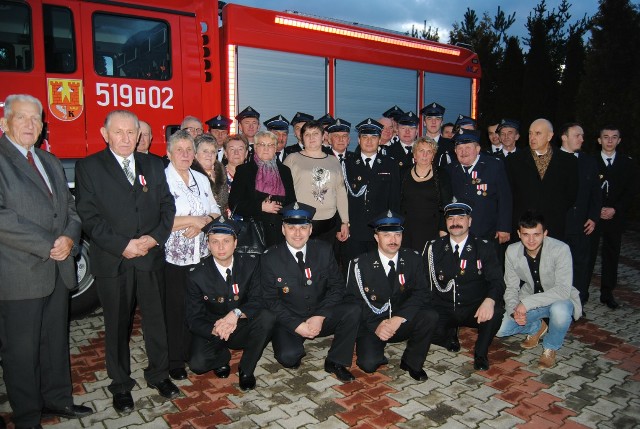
[451, 318]
[580, 245]
[251, 336]
[610, 231]
[417, 332]
[288, 347]
[178, 334]
[34, 334]
[118, 296]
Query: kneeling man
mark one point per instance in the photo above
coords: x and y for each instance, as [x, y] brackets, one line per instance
[224, 307]
[389, 284]
[303, 286]
[466, 284]
[539, 277]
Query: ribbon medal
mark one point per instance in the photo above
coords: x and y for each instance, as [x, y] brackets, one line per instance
[474, 177]
[307, 273]
[482, 189]
[463, 265]
[143, 182]
[479, 264]
[401, 280]
[236, 291]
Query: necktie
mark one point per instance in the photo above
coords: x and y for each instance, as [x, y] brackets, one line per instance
[32, 162]
[300, 257]
[609, 164]
[229, 280]
[498, 150]
[341, 157]
[278, 156]
[456, 251]
[368, 162]
[391, 276]
[127, 170]
[408, 150]
[467, 169]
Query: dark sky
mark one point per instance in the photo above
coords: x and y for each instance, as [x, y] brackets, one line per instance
[399, 15]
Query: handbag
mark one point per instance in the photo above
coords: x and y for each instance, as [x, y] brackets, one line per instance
[251, 236]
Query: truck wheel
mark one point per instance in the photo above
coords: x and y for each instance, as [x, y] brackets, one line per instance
[84, 299]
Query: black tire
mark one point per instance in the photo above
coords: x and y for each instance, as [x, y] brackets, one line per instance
[84, 299]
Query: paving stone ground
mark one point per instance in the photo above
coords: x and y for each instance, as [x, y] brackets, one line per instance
[596, 383]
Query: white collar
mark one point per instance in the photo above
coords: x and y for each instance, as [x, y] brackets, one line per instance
[460, 245]
[293, 251]
[222, 269]
[385, 261]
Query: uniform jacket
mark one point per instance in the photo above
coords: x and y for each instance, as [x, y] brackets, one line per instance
[30, 221]
[209, 298]
[383, 192]
[493, 207]
[113, 211]
[589, 200]
[397, 152]
[408, 295]
[285, 287]
[552, 196]
[482, 276]
[446, 152]
[619, 184]
[556, 276]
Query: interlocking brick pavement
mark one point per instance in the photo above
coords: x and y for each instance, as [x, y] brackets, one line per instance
[595, 384]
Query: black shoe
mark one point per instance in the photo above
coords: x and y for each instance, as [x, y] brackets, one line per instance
[340, 371]
[247, 381]
[610, 302]
[453, 345]
[123, 402]
[166, 388]
[481, 363]
[416, 375]
[178, 373]
[297, 364]
[222, 372]
[70, 412]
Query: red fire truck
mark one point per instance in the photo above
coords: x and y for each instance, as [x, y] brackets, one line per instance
[165, 59]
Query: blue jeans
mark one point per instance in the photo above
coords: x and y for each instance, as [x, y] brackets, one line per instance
[559, 313]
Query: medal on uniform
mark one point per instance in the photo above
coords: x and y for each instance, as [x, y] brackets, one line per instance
[479, 264]
[236, 291]
[373, 298]
[220, 299]
[143, 182]
[463, 265]
[285, 289]
[401, 280]
[482, 188]
[307, 273]
[474, 177]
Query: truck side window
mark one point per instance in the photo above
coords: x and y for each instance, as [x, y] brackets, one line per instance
[16, 44]
[59, 40]
[131, 47]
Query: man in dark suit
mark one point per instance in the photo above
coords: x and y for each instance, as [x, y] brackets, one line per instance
[39, 229]
[481, 180]
[394, 310]
[303, 286]
[618, 175]
[466, 284]
[373, 187]
[298, 121]
[127, 211]
[544, 179]
[509, 133]
[433, 114]
[224, 307]
[400, 150]
[279, 126]
[583, 216]
[339, 139]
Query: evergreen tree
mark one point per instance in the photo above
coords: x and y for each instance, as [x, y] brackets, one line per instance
[571, 77]
[508, 99]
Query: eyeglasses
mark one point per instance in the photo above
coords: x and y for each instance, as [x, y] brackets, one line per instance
[269, 145]
[192, 129]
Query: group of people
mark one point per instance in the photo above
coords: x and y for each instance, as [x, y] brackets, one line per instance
[406, 238]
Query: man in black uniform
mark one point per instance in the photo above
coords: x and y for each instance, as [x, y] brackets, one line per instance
[466, 284]
[297, 123]
[303, 286]
[219, 128]
[433, 114]
[618, 175]
[224, 307]
[400, 151]
[373, 186]
[394, 310]
[394, 114]
[339, 139]
[279, 126]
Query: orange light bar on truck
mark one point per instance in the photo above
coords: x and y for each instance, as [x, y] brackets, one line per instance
[474, 98]
[231, 81]
[324, 28]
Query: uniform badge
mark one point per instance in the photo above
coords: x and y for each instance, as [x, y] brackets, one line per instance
[206, 298]
[220, 299]
[236, 297]
[402, 281]
[285, 289]
[143, 182]
[379, 161]
[279, 279]
[463, 265]
[479, 265]
[359, 178]
[400, 164]
[441, 277]
[309, 282]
